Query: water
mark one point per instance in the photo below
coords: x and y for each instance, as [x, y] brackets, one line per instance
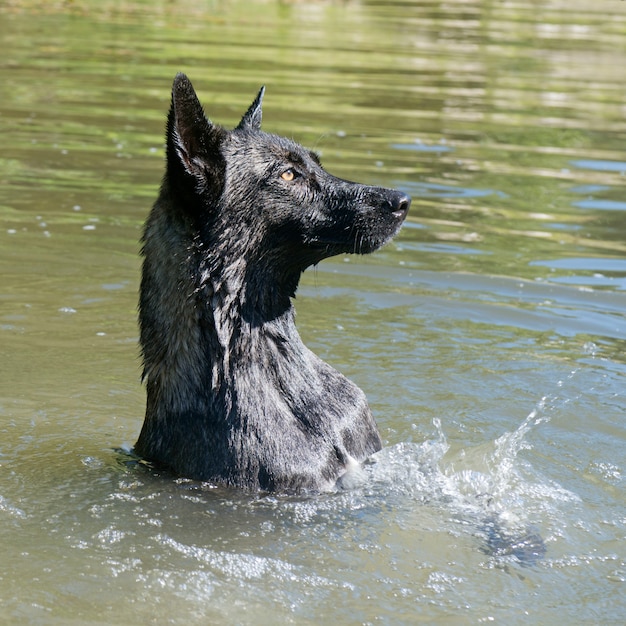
[489, 337]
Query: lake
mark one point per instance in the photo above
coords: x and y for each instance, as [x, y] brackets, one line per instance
[489, 336]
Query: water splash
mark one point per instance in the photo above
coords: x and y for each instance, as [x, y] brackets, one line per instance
[490, 486]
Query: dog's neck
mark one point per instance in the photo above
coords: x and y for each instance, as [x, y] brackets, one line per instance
[245, 299]
[227, 329]
[246, 289]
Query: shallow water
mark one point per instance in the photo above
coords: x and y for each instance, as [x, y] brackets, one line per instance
[489, 336]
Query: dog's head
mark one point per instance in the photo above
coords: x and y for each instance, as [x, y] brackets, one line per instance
[262, 187]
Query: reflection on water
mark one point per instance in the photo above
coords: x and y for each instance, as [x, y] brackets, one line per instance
[603, 166]
[490, 337]
[433, 190]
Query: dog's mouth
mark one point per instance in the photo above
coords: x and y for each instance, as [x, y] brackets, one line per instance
[361, 241]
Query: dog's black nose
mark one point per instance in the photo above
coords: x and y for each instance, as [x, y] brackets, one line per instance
[400, 204]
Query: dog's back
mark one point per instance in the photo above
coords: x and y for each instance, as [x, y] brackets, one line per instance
[233, 395]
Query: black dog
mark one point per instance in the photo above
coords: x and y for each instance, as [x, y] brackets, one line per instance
[234, 396]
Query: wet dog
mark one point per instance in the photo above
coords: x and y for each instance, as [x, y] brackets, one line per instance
[233, 395]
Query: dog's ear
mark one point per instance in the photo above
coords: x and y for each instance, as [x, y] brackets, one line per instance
[192, 140]
[252, 119]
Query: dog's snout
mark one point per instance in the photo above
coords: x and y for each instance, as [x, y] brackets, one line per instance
[400, 204]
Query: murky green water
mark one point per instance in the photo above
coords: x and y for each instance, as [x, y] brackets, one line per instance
[489, 337]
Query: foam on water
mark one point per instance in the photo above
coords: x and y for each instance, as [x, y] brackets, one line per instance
[489, 487]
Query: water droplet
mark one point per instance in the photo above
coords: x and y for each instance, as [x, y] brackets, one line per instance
[590, 348]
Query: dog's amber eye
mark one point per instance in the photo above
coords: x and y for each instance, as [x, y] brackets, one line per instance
[288, 175]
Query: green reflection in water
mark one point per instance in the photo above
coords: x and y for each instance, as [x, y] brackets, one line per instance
[507, 90]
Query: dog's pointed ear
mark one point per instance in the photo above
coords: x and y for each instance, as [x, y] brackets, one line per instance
[192, 140]
[252, 118]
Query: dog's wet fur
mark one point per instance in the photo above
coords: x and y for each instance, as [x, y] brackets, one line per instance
[233, 395]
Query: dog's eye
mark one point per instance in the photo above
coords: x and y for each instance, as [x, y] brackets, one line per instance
[288, 175]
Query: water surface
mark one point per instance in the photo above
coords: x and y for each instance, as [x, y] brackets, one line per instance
[489, 336]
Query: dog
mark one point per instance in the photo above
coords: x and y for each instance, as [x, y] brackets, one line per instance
[234, 397]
